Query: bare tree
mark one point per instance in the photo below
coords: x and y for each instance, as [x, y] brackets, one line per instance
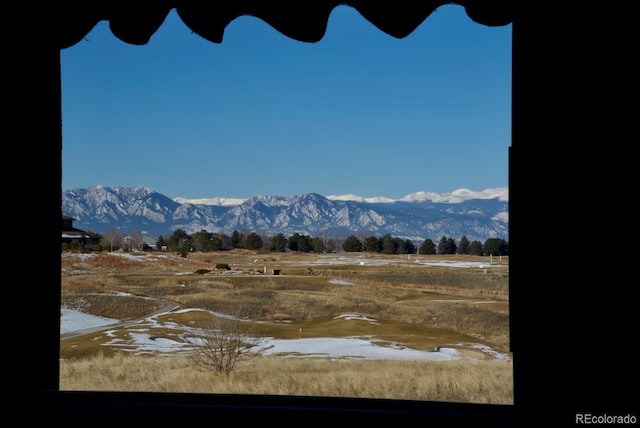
[222, 340]
[136, 238]
[113, 237]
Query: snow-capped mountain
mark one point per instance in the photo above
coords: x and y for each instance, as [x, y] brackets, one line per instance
[502, 193]
[421, 215]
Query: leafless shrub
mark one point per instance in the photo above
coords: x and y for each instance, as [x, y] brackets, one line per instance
[223, 340]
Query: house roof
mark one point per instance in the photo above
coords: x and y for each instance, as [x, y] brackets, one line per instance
[77, 234]
[136, 22]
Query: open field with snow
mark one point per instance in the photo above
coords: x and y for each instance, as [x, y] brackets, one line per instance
[345, 306]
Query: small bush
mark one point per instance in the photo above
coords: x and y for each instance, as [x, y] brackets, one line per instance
[224, 266]
[202, 271]
[279, 316]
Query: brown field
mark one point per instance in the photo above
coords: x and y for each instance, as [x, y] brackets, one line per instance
[419, 306]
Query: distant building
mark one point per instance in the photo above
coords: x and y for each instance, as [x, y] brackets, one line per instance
[138, 243]
[70, 234]
[148, 243]
[129, 243]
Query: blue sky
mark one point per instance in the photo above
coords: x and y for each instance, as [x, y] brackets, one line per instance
[359, 112]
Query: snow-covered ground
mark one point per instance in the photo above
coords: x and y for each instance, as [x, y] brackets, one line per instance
[142, 341]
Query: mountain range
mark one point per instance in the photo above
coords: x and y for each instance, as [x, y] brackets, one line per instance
[417, 216]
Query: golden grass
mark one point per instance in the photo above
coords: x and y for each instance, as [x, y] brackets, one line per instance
[462, 381]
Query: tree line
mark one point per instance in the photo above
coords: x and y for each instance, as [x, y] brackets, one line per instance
[203, 241]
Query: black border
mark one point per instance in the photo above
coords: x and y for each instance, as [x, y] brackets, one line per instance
[567, 81]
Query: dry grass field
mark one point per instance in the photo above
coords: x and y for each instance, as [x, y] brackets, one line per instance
[417, 304]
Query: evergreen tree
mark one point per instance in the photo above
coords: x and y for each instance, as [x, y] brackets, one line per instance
[279, 243]
[253, 241]
[304, 244]
[161, 242]
[427, 247]
[317, 245]
[475, 248]
[352, 244]
[236, 239]
[451, 244]
[408, 247]
[399, 246]
[179, 241]
[389, 245]
[446, 245]
[463, 246]
[294, 242]
[372, 244]
[496, 247]
[202, 241]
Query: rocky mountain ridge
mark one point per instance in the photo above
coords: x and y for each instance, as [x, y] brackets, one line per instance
[139, 208]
